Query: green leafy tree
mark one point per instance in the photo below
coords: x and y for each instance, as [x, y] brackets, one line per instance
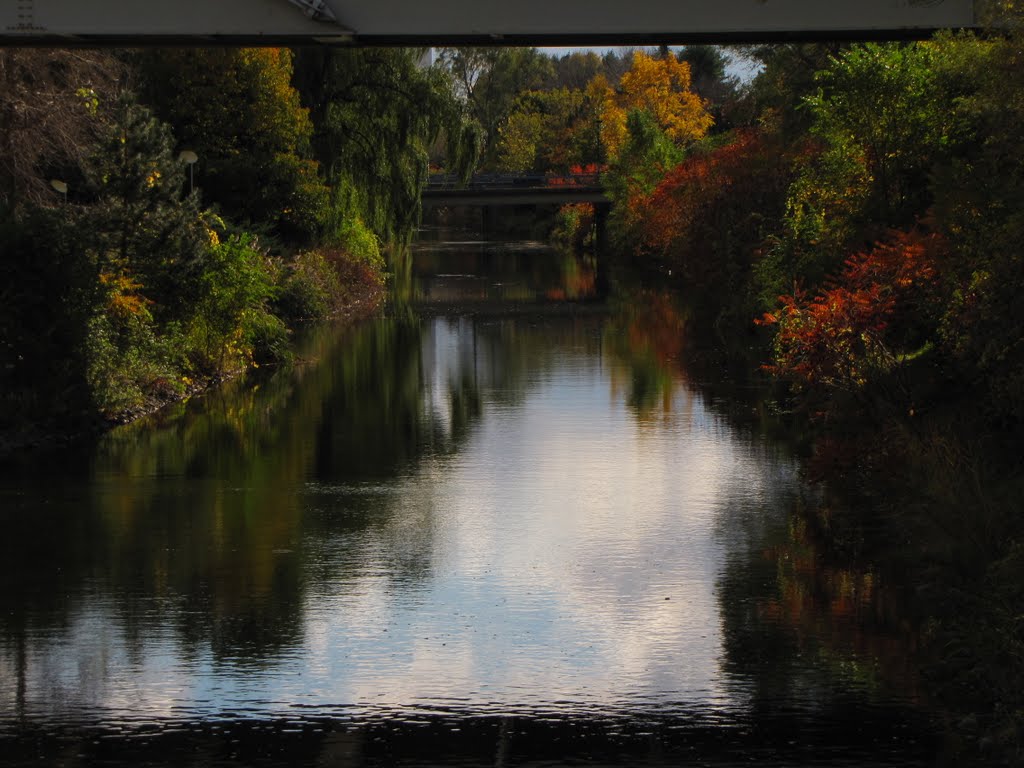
[885, 99]
[646, 156]
[236, 108]
[521, 136]
[140, 226]
[785, 78]
[489, 80]
[550, 131]
[880, 120]
[709, 80]
[979, 200]
[574, 70]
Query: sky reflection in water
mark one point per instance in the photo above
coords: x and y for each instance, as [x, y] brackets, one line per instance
[567, 551]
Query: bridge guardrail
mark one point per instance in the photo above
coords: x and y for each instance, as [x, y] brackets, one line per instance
[523, 181]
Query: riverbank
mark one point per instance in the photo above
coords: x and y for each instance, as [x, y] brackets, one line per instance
[363, 296]
[944, 481]
[884, 282]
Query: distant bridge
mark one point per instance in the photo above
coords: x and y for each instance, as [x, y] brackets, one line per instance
[454, 22]
[508, 189]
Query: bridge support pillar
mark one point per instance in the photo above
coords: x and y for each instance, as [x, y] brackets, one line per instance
[601, 246]
[490, 218]
[601, 228]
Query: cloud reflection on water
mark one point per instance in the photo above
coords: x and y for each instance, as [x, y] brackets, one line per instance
[567, 550]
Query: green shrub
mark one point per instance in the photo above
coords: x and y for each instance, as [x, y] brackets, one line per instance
[310, 290]
[354, 237]
[267, 339]
[127, 364]
[237, 283]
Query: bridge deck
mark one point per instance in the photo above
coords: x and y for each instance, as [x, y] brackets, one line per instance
[496, 189]
[513, 196]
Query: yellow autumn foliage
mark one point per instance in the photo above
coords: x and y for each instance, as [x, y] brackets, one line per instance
[662, 88]
[123, 297]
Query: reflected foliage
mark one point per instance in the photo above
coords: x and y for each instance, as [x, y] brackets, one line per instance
[804, 600]
[224, 552]
[492, 275]
[649, 334]
[227, 520]
[218, 516]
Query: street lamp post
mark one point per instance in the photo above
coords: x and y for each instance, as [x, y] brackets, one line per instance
[190, 157]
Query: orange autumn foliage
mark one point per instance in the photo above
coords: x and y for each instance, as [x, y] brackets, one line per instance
[857, 327]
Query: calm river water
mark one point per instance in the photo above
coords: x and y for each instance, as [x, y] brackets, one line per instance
[500, 526]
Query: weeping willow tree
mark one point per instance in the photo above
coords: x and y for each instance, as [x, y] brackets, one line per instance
[376, 114]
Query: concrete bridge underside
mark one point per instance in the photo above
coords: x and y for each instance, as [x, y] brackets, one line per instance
[438, 22]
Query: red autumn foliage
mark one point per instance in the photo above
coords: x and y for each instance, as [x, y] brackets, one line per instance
[860, 324]
[579, 176]
[590, 169]
[697, 186]
[708, 217]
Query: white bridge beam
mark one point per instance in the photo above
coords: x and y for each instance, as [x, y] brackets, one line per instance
[466, 21]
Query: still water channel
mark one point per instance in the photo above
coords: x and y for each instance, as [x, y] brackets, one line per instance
[500, 526]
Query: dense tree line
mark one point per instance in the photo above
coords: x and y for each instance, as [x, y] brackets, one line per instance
[164, 214]
[861, 210]
[546, 114]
